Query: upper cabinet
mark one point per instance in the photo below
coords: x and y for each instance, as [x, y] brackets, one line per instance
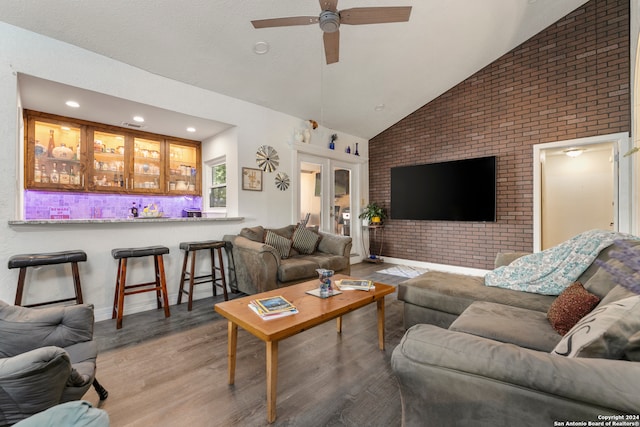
[73, 155]
[183, 167]
[55, 158]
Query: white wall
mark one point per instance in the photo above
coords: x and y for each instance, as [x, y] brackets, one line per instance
[30, 53]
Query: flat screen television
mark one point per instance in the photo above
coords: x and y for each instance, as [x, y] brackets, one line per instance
[459, 190]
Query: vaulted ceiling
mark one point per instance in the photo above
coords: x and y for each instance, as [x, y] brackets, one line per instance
[385, 72]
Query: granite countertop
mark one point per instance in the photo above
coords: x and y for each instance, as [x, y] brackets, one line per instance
[139, 220]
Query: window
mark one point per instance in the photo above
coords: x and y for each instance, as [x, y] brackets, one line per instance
[217, 184]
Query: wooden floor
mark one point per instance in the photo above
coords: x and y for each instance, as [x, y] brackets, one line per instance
[173, 372]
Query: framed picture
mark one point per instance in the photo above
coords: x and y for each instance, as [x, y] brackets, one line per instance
[251, 179]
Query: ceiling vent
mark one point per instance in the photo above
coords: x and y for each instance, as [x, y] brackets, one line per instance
[133, 125]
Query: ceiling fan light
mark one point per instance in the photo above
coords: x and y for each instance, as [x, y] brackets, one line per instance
[329, 21]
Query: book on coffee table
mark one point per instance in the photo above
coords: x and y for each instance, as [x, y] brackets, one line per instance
[269, 316]
[273, 305]
[354, 284]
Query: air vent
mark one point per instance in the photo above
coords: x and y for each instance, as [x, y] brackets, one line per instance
[133, 125]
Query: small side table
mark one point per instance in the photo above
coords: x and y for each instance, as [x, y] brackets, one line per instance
[373, 258]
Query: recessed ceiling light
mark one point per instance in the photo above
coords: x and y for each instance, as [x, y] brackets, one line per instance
[138, 119]
[260, 48]
[191, 129]
[379, 107]
[72, 104]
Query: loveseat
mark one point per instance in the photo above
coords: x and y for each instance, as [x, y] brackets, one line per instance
[270, 258]
[480, 355]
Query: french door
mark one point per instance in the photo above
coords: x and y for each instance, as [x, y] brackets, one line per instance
[327, 193]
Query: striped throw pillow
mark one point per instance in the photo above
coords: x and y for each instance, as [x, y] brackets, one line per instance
[282, 244]
[305, 240]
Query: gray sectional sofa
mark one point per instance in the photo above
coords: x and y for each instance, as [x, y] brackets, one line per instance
[487, 356]
[260, 266]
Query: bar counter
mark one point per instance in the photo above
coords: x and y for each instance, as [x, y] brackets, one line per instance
[120, 221]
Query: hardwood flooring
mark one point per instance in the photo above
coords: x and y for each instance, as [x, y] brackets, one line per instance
[173, 372]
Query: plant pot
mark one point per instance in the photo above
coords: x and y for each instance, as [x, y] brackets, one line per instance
[375, 220]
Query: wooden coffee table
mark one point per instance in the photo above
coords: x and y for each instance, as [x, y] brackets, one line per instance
[313, 311]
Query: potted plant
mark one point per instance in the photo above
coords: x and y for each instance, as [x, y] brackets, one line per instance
[373, 213]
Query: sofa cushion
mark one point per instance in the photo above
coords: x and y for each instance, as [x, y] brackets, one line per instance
[286, 232]
[572, 304]
[453, 293]
[282, 244]
[297, 268]
[304, 240]
[328, 261]
[256, 233]
[499, 322]
[603, 333]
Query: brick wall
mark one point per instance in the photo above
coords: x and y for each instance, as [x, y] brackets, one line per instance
[569, 81]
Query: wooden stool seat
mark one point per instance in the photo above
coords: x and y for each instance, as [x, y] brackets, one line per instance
[159, 285]
[25, 261]
[190, 249]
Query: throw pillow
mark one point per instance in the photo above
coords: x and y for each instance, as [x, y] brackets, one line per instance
[305, 240]
[572, 304]
[281, 244]
[254, 233]
[603, 333]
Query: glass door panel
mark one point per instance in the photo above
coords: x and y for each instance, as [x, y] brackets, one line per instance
[58, 158]
[311, 193]
[147, 170]
[342, 200]
[109, 165]
[184, 176]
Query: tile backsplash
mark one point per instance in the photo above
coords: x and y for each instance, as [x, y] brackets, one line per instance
[59, 205]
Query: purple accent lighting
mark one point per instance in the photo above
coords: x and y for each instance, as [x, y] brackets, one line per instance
[39, 204]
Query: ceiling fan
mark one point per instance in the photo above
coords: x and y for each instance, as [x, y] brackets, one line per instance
[331, 18]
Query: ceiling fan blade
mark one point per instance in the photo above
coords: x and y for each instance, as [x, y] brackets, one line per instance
[332, 46]
[374, 15]
[285, 22]
[331, 5]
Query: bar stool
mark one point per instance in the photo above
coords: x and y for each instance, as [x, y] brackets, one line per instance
[159, 285]
[36, 260]
[191, 248]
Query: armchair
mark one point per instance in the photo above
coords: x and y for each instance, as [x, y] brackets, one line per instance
[47, 357]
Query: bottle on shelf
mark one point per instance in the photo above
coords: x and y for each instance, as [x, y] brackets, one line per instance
[121, 181]
[73, 177]
[54, 177]
[64, 175]
[52, 144]
[44, 177]
[37, 173]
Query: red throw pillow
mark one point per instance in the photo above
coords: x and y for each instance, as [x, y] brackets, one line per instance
[572, 304]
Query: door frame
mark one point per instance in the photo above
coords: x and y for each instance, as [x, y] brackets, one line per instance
[330, 159]
[622, 180]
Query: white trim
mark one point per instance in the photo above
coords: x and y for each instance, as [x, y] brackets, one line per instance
[438, 267]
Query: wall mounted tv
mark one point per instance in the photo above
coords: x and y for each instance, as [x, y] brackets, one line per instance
[460, 190]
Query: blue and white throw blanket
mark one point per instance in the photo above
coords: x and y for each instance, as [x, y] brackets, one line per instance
[549, 272]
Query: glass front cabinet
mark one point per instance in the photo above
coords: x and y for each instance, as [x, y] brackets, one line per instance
[73, 155]
[55, 157]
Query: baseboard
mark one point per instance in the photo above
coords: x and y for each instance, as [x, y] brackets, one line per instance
[438, 267]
